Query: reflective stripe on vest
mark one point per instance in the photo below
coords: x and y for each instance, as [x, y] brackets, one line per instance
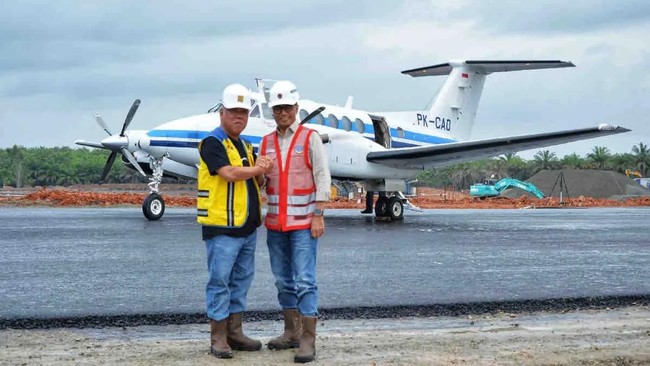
[290, 187]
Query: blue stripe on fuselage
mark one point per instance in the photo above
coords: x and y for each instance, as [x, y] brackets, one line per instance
[192, 138]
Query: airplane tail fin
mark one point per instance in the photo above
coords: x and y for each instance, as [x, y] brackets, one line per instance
[457, 102]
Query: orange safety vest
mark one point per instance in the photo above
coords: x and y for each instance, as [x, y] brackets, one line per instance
[290, 187]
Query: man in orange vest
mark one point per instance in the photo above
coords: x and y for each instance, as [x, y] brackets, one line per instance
[297, 188]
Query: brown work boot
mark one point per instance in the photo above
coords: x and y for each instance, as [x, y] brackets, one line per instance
[218, 339]
[290, 338]
[307, 350]
[236, 337]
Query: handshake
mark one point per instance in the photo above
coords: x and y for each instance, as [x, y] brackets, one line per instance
[265, 162]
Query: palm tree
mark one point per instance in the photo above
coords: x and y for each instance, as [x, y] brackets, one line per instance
[572, 161]
[515, 166]
[642, 157]
[599, 156]
[545, 159]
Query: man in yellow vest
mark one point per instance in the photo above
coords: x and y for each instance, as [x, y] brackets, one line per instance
[228, 208]
[297, 188]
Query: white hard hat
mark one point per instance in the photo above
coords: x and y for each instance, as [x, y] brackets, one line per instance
[236, 96]
[283, 92]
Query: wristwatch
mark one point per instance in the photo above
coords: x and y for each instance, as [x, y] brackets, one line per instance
[319, 212]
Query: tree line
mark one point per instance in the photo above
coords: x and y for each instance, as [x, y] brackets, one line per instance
[64, 166]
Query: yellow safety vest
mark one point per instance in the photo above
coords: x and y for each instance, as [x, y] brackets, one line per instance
[219, 202]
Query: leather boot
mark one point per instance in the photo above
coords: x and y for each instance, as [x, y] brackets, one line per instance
[290, 338]
[307, 350]
[218, 339]
[236, 337]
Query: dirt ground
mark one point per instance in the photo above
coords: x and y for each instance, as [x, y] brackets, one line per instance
[595, 337]
[183, 195]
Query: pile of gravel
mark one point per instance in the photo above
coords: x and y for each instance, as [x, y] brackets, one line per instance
[588, 183]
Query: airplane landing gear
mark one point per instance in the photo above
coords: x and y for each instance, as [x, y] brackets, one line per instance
[381, 207]
[153, 207]
[395, 209]
[391, 207]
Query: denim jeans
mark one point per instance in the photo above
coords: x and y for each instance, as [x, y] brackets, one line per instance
[293, 263]
[231, 264]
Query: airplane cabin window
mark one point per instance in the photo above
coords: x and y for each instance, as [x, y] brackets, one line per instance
[303, 113]
[400, 132]
[332, 121]
[361, 128]
[346, 123]
[319, 119]
[255, 112]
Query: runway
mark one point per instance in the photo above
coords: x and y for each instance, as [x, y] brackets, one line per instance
[69, 262]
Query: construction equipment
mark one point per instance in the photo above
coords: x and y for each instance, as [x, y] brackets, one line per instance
[492, 188]
[633, 173]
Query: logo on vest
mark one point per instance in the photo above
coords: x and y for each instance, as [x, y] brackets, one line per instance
[298, 149]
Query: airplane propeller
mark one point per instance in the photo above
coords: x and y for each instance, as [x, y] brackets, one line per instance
[118, 143]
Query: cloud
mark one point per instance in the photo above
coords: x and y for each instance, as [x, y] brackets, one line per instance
[63, 61]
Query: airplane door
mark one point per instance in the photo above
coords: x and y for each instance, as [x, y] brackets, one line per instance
[382, 131]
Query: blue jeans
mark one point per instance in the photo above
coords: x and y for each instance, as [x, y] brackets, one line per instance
[231, 264]
[293, 262]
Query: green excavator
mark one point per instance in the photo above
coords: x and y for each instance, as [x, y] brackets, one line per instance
[493, 188]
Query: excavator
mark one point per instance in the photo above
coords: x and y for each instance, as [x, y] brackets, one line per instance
[493, 188]
[633, 173]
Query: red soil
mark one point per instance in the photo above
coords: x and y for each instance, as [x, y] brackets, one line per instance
[426, 198]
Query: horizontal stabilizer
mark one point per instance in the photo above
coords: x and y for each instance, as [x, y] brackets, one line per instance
[436, 156]
[487, 67]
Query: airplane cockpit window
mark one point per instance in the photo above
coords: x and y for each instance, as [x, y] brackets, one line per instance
[400, 132]
[215, 109]
[361, 127]
[332, 121]
[266, 111]
[255, 112]
[346, 124]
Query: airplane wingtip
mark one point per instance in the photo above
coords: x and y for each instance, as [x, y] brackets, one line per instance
[616, 128]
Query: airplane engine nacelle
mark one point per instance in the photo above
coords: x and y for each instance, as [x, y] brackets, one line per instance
[144, 143]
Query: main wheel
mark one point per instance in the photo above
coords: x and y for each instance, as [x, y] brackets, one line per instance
[381, 207]
[395, 209]
[153, 207]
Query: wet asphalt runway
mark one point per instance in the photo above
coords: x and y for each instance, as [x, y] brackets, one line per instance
[72, 262]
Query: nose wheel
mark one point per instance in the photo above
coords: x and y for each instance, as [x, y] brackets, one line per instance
[153, 207]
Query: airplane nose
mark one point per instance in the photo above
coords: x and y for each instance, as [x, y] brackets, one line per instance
[115, 142]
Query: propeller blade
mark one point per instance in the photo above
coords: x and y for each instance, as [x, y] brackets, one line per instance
[127, 154]
[312, 114]
[102, 124]
[129, 116]
[108, 166]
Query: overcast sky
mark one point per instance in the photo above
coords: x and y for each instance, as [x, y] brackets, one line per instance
[62, 61]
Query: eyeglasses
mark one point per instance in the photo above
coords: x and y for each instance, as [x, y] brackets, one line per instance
[282, 108]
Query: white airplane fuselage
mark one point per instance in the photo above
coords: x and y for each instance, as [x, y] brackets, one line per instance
[349, 142]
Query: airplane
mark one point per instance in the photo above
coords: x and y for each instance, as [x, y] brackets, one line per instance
[381, 149]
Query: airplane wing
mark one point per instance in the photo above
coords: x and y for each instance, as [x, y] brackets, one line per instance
[424, 157]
